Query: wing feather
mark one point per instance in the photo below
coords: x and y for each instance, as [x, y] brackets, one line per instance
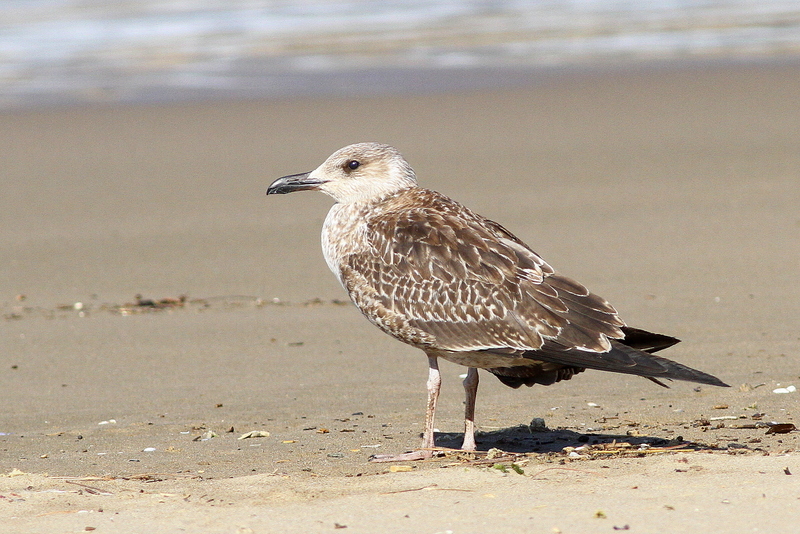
[452, 280]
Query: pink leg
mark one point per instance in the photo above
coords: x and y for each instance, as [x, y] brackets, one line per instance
[471, 389]
[434, 385]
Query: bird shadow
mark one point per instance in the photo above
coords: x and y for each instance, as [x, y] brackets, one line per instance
[527, 439]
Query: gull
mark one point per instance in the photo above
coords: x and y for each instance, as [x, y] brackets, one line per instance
[432, 273]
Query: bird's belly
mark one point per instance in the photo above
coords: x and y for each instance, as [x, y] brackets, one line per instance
[486, 360]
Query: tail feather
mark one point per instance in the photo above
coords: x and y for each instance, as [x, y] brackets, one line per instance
[631, 355]
[622, 359]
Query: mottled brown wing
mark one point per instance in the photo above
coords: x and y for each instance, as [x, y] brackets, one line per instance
[439, 276]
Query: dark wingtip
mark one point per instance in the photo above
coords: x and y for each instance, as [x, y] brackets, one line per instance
[699, 376]
[717, 382]
[646, 341]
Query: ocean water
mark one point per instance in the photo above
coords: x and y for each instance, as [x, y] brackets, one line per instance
[84, 51]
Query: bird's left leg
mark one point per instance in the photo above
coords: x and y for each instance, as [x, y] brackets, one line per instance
[434, 385]
[471, 390]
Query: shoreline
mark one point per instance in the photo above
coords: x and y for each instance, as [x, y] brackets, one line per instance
[284, 86]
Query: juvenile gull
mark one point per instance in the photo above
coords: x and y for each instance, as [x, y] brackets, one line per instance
[432, 273]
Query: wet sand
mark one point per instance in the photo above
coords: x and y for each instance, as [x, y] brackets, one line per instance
[671, 191]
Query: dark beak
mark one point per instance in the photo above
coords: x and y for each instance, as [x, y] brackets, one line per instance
[293, 182]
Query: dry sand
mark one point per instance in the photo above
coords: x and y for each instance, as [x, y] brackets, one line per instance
[673, 191]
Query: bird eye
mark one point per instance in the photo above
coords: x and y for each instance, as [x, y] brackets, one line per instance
[353, 164]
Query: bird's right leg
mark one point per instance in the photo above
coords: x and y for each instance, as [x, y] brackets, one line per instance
[434, 385]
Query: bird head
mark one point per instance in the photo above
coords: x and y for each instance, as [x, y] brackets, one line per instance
[355, 173]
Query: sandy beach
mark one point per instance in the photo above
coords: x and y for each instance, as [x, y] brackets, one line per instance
[156, 306]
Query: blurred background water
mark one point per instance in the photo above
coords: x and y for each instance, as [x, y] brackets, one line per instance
[86, 51]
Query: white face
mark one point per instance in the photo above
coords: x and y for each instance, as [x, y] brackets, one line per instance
[362, 172]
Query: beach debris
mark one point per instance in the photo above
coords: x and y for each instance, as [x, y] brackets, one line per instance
[786, 471]
[149, 449]
[599, 514]
[592, 405]
[151, 305]
[429, 487]
[207, 435]
[787, 389]
[493, 453]
[337, 525]
[749, 426]
[400, 468]
[89, 489]
[721, 407]
[691, 468]
[168, 302]
[14, 473]
[254, 434]
[537, 424]
[781, 428]
[503, 468]
[108, 422]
